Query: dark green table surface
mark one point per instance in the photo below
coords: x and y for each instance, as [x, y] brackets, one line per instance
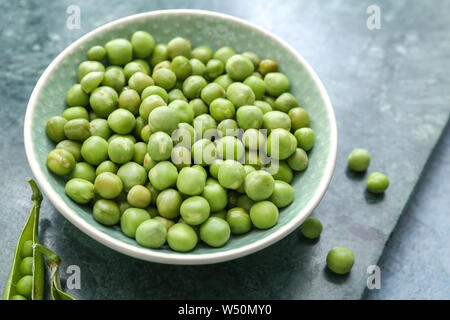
[390, 90]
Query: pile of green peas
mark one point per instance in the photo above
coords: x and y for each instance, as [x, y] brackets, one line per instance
[173, 143]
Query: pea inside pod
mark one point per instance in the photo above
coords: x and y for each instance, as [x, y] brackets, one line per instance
[25, 282]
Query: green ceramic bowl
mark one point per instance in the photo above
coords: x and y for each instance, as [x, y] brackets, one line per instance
[202, 28]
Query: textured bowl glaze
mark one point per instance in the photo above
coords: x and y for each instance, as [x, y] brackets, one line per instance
[202, 28]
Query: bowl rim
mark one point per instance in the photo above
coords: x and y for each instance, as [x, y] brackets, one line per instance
[161, 257]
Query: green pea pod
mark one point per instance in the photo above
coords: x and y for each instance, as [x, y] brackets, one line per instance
[53, 261]
[29, 233]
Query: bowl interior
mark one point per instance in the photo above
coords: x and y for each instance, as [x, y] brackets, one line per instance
[201, 29]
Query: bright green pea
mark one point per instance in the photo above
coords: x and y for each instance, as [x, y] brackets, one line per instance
[377, 182]
[231, 174]
[159, 54]
[224, 53]
[281, 171]
[131, 219]
[182, 237]
[195, 210]
[103, 101]
[249, 117]
[203, 152]
[298, 161]
[340, 260]
[211, 92]
[26, 266]
[214, 167]
[92, 80]
[119, 51]
[73, 147]
[166, 222]
[358, 160]
[168, 203]
[75, 113]
[230, 147]
[142, 43]
[160, 146]
[228, 127]
[215, 194]
[244, 202]
[311, 228]
[257, 85]
[96, 53]
[163, 119]
[114, 77]
[60, 162]
[240, 94]
[215, 232]
[266, 66]
[130, 100]
[77, 97]
[179, 47]
[202, 53]
[106, 166]
[264, 215]
[276, 83]
[89, 66]
[183, 110]
[305, 140]
[181, 66]
[27, 249]
[140, 150]
[149, 104]
[283, 194]
[108, 185]
[181, 157]
[80, 190]
[77, 129]
[204, 126]
[239, 221]
[286, 102]
[132, 174]
[263, 106]
[198, 67]
[176, 94]
[95, 150]
[121, 121]
[259, 185]
[106, 212]
[224, 81]
[155, 90]
[299, 118]
[140, 124]
[163, 175]
[253, 57]
[55, 128]
[193, 86]
[253, 139]
[276, 120]
[190, 182]
[280, 144]
[83, 170]
[198, 106]
[151, 234]
[222, 109]
[214, 68]
[139, 81]
[184, 135]
[164, 78]
[25, 286]
[239, 67]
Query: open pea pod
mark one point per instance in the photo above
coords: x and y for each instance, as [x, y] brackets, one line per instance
[53, 261]
[26, 279]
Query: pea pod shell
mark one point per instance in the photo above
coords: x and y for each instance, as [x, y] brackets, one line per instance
[29, 232]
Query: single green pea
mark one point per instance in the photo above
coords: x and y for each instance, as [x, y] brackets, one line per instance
[198, 106]
[214, 167]
[108, 185]
[163, 64]
[253, 139]
[103, 101]
[80, 190]
[77, 129]
[154, 90]
[240, 94]
[267, 65]
[182, 237]
[131, 219]
[228, 127]
[259, 185]
[230, 147]
[83, 170]
[130, 100]
[239, 221]
[25, 286]
[286, 102]
[222, 109]
[168, 203]
[193, 86]
[119, 51]
[280, 144]
[249, 117]
[224, 53]
[358, 160]
[203, 152]
[106, 212]
[283, 194]
[202, 53]
[96, 53]
[211, 92]
[244, 202]
[132, 174]
[253, 57]
[198, 67]
[248, 169]
[26, 266]
[92, 80]
[163, 175]
[231, 174]
[281, 171]
[183, 110]
[160, 53]
[214, 68]
[27, 249]
[160, 146]
[224, 81]
[114, 77]
[176, 94]
[195, 210]
[149, 104]
[163, 119]
[164, 78]
[95, 150]
[182, 67]
[55, 128]
[190, 182]
[298, 161]
[143, 44]
[179, 47]
[121, 121]
[276, 120]
[215, 194]
[239, 67]
[263, 106]
[340, 260]
[139, 81]
[184, 135]
[140, 150]
[75, 113]
[77, 97]
[73, 147]
[264, 215]
[299, 118]
[181, 157]
[305, 140]
[257, 85]
[204, 126]
[140, 124]
[215, 232]
[276, 83]
[89, 66]
[377, 182]
[311, 228]
[60, 162]
[106, 166]
[151, 234]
